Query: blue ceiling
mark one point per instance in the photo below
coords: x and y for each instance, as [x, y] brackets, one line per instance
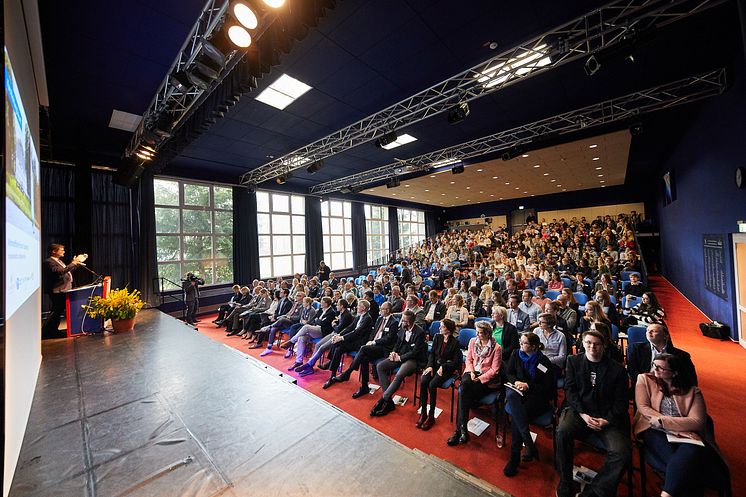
[363, 56]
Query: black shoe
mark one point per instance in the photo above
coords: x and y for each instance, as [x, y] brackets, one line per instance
[325, 366]
[511, 469]
[377, 408]
[531, 453]
[331, 381]
[342, 377]
[388, 406]
[233, 333]
[464, 438]
[295, 366]
[453, 440]
[362, 391]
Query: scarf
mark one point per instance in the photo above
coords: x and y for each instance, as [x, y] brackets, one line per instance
[529, 362]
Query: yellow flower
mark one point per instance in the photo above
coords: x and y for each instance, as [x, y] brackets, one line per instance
[119, 304]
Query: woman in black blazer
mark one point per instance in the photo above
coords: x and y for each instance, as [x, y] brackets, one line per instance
[443, 360]
[531, 373]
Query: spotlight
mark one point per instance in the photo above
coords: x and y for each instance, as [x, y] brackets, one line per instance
[592, 65]
[162, 126]
[345, 189]
[387, 139]
[244, 14]
[457, 169]
[239, 36]
[393, 182]
[275, 4]
[315, 166]
[458, 113]
[283, 178]
[511, 153]
[181, 81]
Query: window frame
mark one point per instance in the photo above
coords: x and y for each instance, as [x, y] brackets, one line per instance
[380, 255]
[414, 238]
[345, 219]
[295, 213]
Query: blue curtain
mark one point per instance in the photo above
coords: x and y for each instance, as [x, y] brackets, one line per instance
[314, 241]
[245, 237]
[393, 230]
[431, 224]
[359, 243]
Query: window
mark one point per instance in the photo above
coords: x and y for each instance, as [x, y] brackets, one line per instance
[377, 233]
[281, 224]
[411, 227]
[336, 223]
[193, 231]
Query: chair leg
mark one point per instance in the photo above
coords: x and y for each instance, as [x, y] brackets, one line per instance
[453, 397]
[643, 474]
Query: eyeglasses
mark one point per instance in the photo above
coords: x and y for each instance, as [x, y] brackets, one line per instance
[661, 368]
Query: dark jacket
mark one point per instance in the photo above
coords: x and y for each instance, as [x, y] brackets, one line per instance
[440, 310]
[357, 331]
[388, 338]
[640, 356]
[608, 399]
[451, 357]
[542, 388]
[326, 321]
[510, 338]
[283, 307]
[344, 321]
[415, 348]
[56, 276]
[374, 310]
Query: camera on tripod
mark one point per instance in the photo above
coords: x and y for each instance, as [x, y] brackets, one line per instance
[192, 277]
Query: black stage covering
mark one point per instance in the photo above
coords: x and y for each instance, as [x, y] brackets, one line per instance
[165, 411]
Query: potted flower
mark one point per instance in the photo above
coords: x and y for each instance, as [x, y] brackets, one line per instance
[121, 306]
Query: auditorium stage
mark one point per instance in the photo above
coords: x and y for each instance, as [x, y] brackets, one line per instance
[165, 411]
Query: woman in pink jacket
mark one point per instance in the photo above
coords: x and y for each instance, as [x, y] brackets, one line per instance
[481, 375]
[670, 405]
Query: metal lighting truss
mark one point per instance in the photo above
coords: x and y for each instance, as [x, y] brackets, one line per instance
[179, 102]
[611, 25]
[628, 107]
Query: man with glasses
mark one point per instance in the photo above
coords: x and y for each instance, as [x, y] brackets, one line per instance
[595, 404]
[641, 355]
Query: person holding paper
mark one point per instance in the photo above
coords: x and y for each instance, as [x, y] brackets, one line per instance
[444, 358]
[672, 421]
[481, 375]
[531, 388]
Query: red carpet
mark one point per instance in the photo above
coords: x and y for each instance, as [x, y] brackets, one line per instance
[717, 366]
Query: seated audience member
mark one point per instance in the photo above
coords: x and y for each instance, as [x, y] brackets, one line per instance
[349, 339]
[413, 304]
[317, 327]
[474, 305]
[594, 313]
[443, 360]
[504, 333]
[409, 354]
[457, 313]
[536, 281]
[340, 322]
[571, 302]
[540, 297]
[635, 287]
[396, 300]
[228, 306]
[595, 404]
[531, 373]
[580, 285]
[567, 313]
[554, 341]
[516, 316]
[241, 305]
[374, 307]
[379, 345]
[510, 289]
[646, 312]
[605, 283]
[553, 308]
[252, 316]
[603, 298]
[481, 376]
[285, 321]
[556, 282]
[378, 295]
[284, 305]
[529, 307]
[307, 313]
[435, 310]
[669, 403]
[333, 281]
[641, 355]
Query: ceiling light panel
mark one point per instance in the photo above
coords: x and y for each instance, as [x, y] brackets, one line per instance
[284, 91]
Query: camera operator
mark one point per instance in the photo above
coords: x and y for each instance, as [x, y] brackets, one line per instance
[190, 284]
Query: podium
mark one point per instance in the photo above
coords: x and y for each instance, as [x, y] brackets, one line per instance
[78, 322]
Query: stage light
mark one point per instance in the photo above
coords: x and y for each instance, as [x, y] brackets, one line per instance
[458, 113]
[239, 36]
[283, 178]
[393, 182]
[315, 166]
[181, 81]
[345, 189]
[275, 4]
[511, 153]
[457, 169]
[592, 65]
[387, 139]
[244, 14]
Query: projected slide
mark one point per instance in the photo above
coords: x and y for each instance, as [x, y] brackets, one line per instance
[22, 202]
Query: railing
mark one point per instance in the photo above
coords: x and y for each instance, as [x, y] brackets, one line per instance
[169, 295]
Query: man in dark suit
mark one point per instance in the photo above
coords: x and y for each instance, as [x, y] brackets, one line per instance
[435, 310]
[517, 317]
[641, 355]
[350, 338]
[406, 274]
[226, 308]
[396, 300]
[319, 326]
[379, 345]
[374, 310]
[595, 404]
[409, 354]
[283, 307]
[57, 279]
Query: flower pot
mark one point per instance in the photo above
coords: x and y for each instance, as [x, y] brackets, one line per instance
[122, 325]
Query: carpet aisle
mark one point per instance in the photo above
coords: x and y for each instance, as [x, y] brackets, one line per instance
[719, 367]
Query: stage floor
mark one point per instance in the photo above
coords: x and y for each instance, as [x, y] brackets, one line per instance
[165, 411]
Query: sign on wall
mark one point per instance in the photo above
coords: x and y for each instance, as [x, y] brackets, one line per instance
[714, 258]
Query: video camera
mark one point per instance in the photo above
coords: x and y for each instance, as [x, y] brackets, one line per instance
[191, 277]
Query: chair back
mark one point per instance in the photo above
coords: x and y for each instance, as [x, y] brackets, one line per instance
[580, 297]
[552, 294]
[567, 282]
[625, 275]
[631, 301]
[465, 335]
[428, 282]
[434, 328]
[476, 320]
[637, 334]
[316, 305]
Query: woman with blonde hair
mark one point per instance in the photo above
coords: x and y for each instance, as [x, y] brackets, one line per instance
[457, 312]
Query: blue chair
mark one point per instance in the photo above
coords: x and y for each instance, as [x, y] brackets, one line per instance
[476, 320]
[373, 273]
[567, 282]
[434, 328]
[613, 299]
[552, 294]
[465, 335]
[635, 334]
[428, 282]
[580, 298]
[630, 301]
[316, 305]
[397, 268]
[625, 275]
[615, 332]
[625, 284]
[588, 281]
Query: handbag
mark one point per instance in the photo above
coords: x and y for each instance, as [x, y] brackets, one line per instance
[716, 330]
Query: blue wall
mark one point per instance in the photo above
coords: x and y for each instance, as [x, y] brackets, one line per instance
[708, 201]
